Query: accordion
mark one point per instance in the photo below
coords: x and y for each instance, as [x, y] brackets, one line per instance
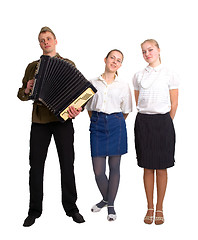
[58, 85]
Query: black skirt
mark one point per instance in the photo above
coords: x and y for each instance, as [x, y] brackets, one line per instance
[154, 141]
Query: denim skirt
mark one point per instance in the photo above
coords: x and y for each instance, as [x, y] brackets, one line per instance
[154, 141]
[108, 135]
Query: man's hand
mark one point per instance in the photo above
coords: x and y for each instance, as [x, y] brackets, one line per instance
[73, 112]
[30, 85]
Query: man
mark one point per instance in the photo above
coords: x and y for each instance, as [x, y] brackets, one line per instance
[44, 125]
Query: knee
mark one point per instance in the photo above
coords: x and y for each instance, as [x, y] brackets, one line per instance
[161, 173]
[114, 167]
[99, 174]
[148, 172]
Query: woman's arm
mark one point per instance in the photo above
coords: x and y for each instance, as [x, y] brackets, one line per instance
[136, 92]
[90, 113]
[125, 115]
[174, 102]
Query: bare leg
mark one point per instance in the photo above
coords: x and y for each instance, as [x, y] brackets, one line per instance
[161, 179]
[149, 186]
[149, 189]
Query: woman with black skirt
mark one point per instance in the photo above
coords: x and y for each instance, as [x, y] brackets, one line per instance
[156, 95]
[108, 110]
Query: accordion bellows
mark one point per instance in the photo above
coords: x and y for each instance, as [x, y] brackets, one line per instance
[58, 85]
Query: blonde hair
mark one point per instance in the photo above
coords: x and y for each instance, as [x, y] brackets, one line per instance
[154, 42]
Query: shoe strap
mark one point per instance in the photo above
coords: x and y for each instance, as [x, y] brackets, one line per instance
[159, 211]
[159, 218]
[149, 218]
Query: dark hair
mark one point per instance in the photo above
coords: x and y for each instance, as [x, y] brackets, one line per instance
[116, 51]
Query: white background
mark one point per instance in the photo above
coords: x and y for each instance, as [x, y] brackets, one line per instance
[86, 30]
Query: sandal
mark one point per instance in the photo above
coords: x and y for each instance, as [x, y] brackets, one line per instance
[148, 219]
[95, 208]
[112, 216]
[159, 220]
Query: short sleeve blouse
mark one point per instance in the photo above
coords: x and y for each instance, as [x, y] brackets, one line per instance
[154, 85]
[110, 98]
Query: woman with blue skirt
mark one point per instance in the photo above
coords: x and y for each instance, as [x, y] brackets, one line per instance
[108, 110]
[156, 95]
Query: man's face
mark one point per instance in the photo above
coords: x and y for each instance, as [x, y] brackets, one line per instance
[48, 43]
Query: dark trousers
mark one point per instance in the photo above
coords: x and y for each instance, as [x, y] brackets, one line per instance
[40, 138]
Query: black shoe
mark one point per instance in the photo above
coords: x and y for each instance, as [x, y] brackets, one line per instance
[78, 218]
[29, 221]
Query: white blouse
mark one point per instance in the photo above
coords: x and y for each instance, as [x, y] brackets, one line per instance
[110, 98]
[154, 85]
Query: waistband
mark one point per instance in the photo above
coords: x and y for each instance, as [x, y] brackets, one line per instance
[101, 114]
[154, 115]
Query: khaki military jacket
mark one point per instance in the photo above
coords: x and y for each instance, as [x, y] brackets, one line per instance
[40, 113]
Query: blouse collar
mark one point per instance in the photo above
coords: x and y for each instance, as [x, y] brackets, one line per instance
[156, 69]
[102, 79]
